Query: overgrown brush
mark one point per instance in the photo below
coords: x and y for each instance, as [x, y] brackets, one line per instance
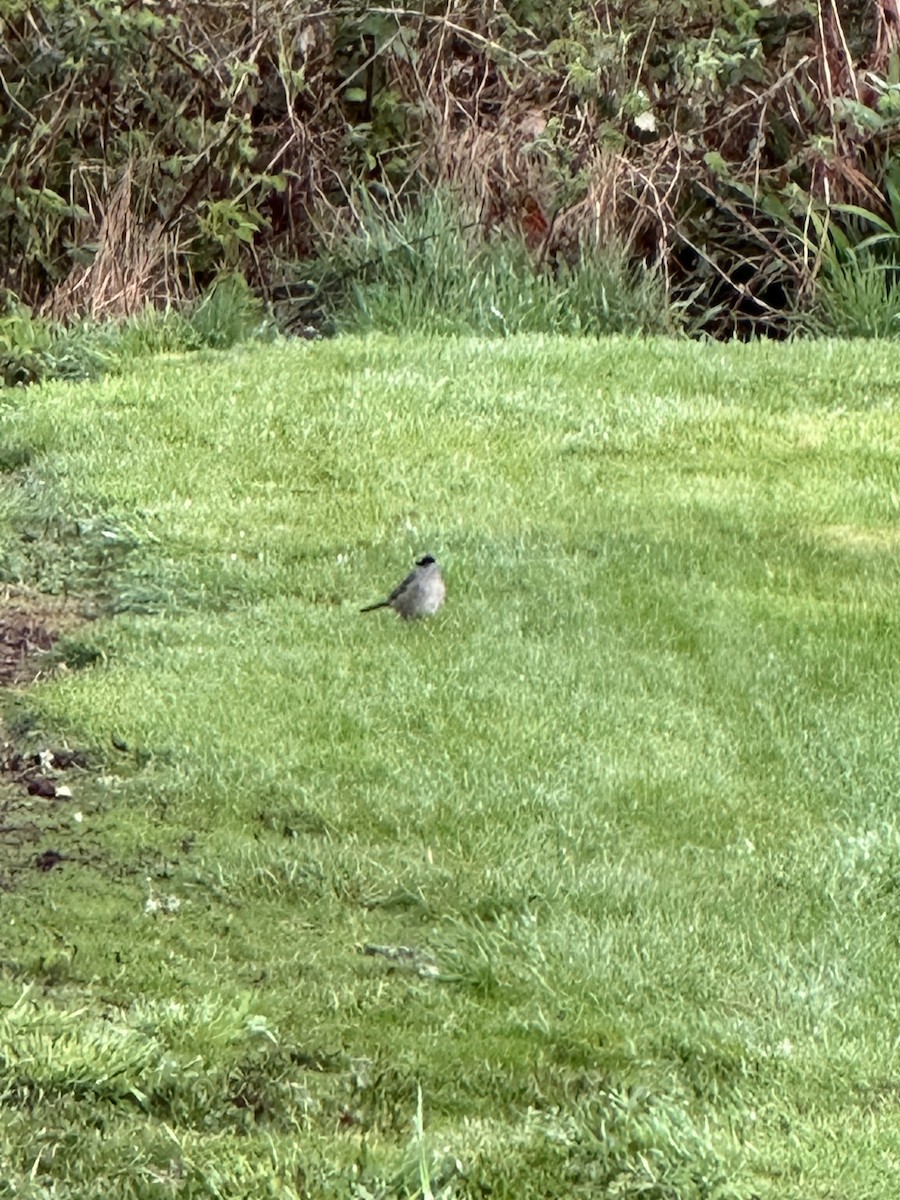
[149, 147]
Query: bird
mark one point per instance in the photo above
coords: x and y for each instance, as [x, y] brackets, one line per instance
[420, 594]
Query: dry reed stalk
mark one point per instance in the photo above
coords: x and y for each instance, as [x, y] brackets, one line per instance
[132, 265]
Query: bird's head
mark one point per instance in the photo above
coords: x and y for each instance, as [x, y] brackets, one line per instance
[426, 561]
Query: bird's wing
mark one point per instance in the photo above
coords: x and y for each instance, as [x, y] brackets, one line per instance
[402, 586]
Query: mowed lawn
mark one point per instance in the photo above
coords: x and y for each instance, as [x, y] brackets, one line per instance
[589, 886]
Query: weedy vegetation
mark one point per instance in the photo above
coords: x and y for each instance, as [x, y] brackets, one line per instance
[589, 886]
[148, 149]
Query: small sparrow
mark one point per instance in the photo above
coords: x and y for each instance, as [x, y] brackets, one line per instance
[420, 594]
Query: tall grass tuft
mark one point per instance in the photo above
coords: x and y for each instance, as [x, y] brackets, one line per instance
[228, 313]
[857, 251]
[855, 297]
[432, 269]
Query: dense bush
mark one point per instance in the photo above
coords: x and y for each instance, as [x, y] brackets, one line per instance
[148, 146]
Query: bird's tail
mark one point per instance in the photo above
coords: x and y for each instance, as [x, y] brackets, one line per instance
[372, 607]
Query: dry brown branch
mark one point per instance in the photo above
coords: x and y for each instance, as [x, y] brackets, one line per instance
[493, 48]
[887, 34]
[758, 98]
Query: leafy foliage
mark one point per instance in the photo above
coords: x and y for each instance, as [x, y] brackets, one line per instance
[148, 147]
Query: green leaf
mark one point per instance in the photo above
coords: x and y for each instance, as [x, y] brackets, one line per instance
[867, 215]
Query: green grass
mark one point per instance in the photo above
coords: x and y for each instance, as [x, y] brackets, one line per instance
[631, 797]
[35, 348]
[436, 268]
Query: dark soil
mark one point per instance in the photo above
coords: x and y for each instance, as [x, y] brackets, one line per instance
[32, 789]
[30, 625]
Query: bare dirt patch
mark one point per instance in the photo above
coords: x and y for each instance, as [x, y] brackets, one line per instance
[31, 624]
[36, 809]
[31, 785]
